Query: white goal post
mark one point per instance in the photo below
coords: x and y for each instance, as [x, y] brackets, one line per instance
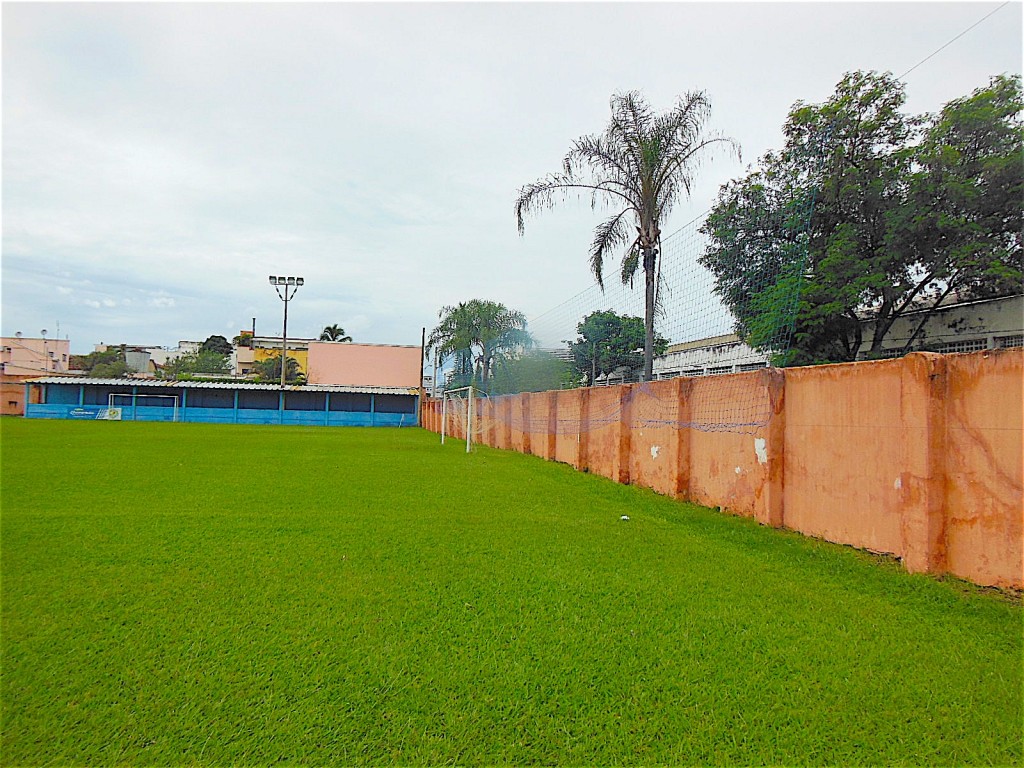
[124, 401]
[457, 406]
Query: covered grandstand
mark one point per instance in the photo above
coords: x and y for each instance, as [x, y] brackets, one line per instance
[229, 402]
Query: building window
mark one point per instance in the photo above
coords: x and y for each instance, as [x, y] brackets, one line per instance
[305, 401]
[719, 370]
[753, 366]
[395, 404]
[1005, 342]
[258, 400]
[350, 402]
[967, 345]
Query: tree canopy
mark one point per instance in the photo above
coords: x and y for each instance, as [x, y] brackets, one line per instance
[205, 361]
[217, 344]
[906, 211]
[608, 341]
[110, 364]
[640, 167]
[477, 333]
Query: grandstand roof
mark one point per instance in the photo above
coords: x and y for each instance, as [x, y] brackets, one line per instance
[241, 385]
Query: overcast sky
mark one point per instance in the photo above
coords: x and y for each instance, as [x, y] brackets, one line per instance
[161, 160]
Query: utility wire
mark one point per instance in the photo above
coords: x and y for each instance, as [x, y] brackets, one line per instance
[933, 53]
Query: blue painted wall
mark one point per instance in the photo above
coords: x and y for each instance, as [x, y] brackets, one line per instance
[72, 401]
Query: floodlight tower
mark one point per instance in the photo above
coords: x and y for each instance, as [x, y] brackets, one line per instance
[286, 288]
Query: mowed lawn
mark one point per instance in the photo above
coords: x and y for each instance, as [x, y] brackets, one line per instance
[214, 594]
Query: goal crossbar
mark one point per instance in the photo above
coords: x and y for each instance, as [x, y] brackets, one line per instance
[117, 400]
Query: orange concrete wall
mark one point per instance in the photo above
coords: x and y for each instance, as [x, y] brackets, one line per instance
[12, 397]
[367, 365]
[984, 466]
[919, 457]
[654, 451]
[845, 441]
[569, 439]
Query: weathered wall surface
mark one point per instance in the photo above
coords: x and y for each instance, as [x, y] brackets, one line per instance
[12, 396]
[984, 466]
[920, 457]
[845, 437]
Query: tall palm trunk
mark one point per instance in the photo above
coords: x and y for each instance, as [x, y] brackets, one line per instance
[650, 255]
[485, 365]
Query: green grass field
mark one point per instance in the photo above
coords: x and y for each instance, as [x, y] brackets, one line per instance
[211, 594]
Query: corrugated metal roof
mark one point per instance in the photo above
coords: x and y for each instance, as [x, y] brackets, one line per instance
[240, 385]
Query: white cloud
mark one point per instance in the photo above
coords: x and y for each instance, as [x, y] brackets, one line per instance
[178, 154]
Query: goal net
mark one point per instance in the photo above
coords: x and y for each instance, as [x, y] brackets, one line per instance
[142, 406]
[460, 415]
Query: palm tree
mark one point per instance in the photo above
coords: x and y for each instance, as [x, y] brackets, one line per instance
[482, 331]
[642, 165]
[334, 333]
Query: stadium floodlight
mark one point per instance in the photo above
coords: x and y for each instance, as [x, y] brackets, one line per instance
[290, 285]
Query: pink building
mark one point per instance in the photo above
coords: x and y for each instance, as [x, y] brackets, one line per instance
[369, 365]
[31, 357]
[21, 359]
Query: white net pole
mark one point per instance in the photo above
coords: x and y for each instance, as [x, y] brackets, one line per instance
[469, 419]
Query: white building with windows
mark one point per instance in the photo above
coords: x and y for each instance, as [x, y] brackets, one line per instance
[708, 357]
[965, 326]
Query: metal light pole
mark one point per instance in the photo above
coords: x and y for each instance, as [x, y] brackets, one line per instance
[289, 285]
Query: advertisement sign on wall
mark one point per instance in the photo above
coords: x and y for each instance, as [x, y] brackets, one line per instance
[108, 414]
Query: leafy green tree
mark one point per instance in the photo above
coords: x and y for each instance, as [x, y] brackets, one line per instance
[110, 364]
[244, 339]
[641, 166]
[334, 333]
[477, 334]
[115, 370]
[269, 370]
[217, 344]
[608, 341]
[904, 209]
[205, 361]
[533, 371]
[964, 218]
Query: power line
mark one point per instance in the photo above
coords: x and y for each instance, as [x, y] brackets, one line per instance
[933, 53]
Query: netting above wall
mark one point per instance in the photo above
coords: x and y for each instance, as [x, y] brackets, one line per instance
[688, 310]
[738, 404]
[697, 330]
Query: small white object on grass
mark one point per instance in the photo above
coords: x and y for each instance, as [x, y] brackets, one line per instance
[624, 517]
